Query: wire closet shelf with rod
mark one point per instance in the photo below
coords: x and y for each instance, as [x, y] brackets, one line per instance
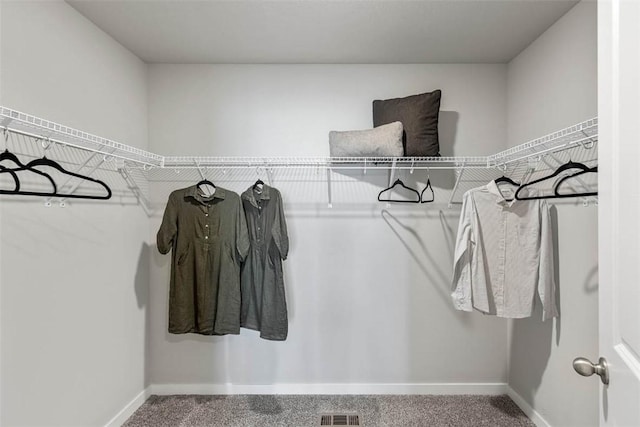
[141, 177]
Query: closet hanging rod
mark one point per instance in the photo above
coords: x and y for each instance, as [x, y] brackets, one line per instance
[384, 163]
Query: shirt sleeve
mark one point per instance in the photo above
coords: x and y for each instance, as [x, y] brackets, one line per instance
[280, 233]
[242, 233]
[168, 228]
[461, 286]
[546, 269]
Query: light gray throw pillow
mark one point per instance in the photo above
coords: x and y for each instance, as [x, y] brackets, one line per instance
[382, 141]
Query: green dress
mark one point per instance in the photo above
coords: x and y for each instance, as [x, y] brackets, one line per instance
[208, 238]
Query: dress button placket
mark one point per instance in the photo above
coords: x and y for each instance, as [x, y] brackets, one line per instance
[207, 223]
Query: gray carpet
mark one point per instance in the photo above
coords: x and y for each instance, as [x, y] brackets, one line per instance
[303, 410]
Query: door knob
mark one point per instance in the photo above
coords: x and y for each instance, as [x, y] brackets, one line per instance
[585, 368]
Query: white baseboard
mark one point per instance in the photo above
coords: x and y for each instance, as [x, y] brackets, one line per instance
[423, 388]
[527, 409]
[129, 409]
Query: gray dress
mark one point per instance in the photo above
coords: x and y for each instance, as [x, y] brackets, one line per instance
[208, 239]
[264, 306]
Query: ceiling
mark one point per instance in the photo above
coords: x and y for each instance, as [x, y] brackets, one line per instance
[324, 31]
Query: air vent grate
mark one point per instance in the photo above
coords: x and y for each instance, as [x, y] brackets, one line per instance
[339, 420]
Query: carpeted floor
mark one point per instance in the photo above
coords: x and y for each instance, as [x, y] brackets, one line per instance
[304, 410]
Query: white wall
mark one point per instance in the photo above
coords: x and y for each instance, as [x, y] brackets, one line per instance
[553, 84]
[74, 280]
[288, 110]
[367, 289]
[368, 294]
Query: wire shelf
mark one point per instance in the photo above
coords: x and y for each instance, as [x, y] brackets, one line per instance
[585, 134]
[50, 132]
[149, 177]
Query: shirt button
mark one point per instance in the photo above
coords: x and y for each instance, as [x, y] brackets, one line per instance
[206, 237]
[207, 225]
[206, 214]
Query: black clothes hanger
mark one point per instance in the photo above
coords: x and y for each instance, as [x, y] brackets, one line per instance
[258, 185]
[433, 196]
[399, 182]
[51, 163]
[556, 189]
[7, 155]
[569, 165]
[15, 180]
[507, 180]
[205, 181]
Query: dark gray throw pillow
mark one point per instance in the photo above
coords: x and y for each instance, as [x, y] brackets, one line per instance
[419, 117]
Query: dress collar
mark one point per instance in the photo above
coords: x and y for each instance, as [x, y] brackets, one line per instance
[195, 193]
[253, 196]
[492, 188]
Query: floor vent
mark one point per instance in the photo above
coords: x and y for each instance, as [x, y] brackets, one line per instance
[339, 420]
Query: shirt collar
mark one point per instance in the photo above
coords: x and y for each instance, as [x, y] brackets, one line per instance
[492, 188]
[250, 195]
[194, 193]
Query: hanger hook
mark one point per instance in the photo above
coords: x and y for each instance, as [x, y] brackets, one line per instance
[6, 138]
[588, 145]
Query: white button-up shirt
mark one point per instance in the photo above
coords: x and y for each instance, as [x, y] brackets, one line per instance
[504, 253]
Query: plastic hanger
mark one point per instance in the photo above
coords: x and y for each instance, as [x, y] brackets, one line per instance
[569, 165]
[507, 180]
[51, 163]
[15, 180]
[433, 196]
[206, 182]
[399, 182]
[7, 155]
[258, 186]
[556, 189]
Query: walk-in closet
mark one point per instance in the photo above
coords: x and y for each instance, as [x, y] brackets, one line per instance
[306, 213]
